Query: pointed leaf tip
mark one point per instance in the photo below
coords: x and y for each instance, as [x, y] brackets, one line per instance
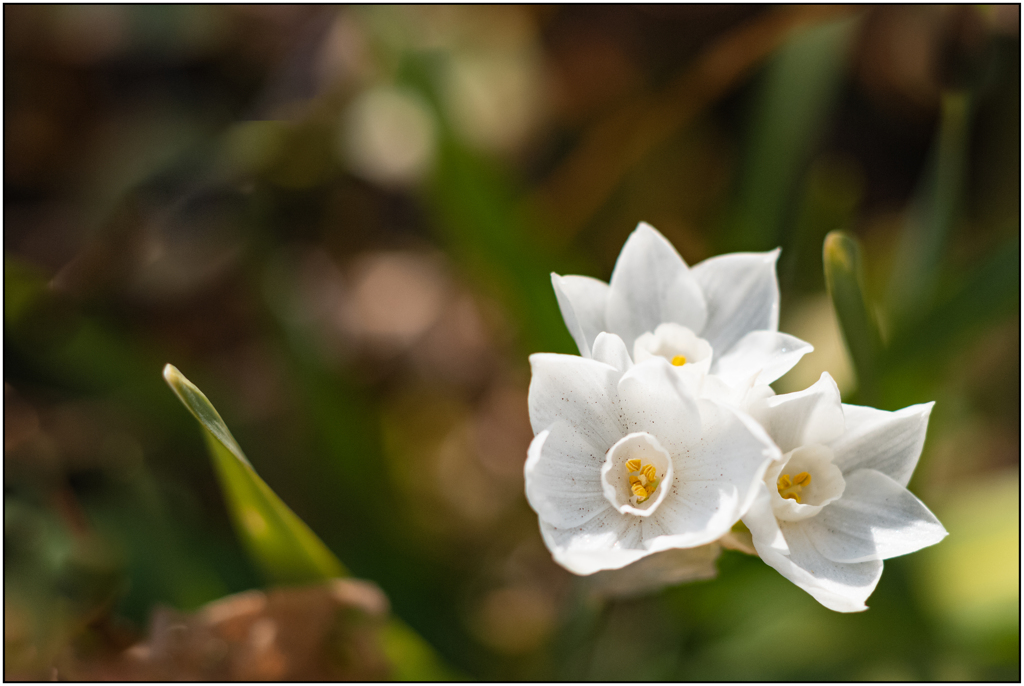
[283, 545]
[841, 256]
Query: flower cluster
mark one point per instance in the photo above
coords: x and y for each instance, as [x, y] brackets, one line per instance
[664, 434]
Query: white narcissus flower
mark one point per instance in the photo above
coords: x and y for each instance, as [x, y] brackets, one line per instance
[721, 316]
[836, 505]
[627, 461]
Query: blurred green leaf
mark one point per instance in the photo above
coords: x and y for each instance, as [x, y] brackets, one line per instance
[844, 276]
[990, 291]
[923, 241]
[23, 285]
[799, 88]
[412, 658]
[286, 549]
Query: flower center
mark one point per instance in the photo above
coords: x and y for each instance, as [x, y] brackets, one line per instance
[643, 479]
[791, 488]
[637, 474]
[676, 343]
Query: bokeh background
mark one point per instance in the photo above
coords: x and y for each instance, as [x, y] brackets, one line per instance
[339, 223]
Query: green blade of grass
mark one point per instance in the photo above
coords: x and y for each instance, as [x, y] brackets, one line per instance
[285, 548]
[845, 281]
[282, 544]
[923, 243]
[799, 89]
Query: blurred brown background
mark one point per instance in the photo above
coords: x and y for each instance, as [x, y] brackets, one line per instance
[339, 223]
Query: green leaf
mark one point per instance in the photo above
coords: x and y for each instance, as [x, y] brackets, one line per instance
[797, 93]
[845, 281]
[286, 549]
[411, 657]
[987, 293]
[24, 284]
[923, 241]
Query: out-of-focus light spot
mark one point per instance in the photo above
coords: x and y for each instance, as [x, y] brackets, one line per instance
[503, 433]
[344, 55]
[458, 347]
[972, 578]
[89, 33]
[515, 619]
[395, 297]
[494, 99]
[387, 135]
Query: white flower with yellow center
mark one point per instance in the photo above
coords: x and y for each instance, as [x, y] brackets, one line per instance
[836, 505]
[721, 316]
[627, 461]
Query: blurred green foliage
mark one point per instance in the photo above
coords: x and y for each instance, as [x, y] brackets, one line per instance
[341, 222]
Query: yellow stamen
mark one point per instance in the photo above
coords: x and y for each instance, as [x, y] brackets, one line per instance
[791, 488]
[679, 360]
[643, 479]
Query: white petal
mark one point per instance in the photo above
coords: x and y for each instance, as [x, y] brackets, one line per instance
[742, 295]
[608, 541]
[769, 352]
[742, 394]
[843, 587]
[656, 571]
[839, 586]
[651, 284]
[890, 442]
[563, 477]
[579, 392]
[874, 520]
[583, 301]
[717, 477]
[653, 399]
[764, 528]
[610, 349]
[814, 415]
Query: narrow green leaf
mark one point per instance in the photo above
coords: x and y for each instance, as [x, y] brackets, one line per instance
[924, 239]
[285, 548]
[411, 657]
[845, 281]
[797, 93]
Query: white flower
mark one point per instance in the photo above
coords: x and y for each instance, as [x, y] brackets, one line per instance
[721, 316]
[836, 505]
[627, 462]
